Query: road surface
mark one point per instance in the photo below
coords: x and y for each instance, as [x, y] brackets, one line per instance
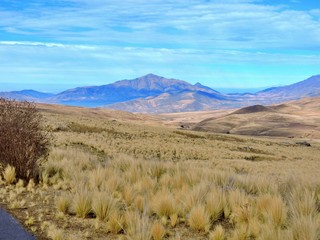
[10, 229]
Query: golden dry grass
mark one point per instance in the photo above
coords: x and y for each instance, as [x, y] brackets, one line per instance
[121, 179]
[9, 174]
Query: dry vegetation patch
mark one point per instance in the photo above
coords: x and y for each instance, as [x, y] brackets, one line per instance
[108, 179]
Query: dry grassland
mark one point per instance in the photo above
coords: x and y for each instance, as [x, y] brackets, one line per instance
[112, 176]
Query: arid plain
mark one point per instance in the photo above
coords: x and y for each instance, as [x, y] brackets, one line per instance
[244, 174]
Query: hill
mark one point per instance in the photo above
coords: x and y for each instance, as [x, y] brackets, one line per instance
[253, 109]
[299, 118]
[182, 101]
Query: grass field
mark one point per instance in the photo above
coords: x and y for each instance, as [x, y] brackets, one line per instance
[114, 175]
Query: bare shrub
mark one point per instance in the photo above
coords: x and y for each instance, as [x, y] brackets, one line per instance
[22, 141]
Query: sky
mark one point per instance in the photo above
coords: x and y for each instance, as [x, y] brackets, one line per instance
[52, 45]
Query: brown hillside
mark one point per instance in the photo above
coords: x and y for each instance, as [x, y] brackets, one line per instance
[293, 119]
[253, 109]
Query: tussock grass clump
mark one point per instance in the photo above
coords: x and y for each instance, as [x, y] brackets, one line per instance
[55, 233]
[303, 202]
[140, 203]
[138, 226]
[20, 183]
[199, 219]
[215, 204]
[113, 184]
[116, 222]
[240, 233]
[82, 203]
[242, 214]
[9, 174]
[158, 231]
[218, 233]
[63, 204]
[163, 204]
[31, 185]
[97, 178]
[103, 205]
[272, 209]
[237, 198]
[174, 219]
[263, 206]
[128, 195]
[196, 196]
[306, 228]
[156, 170]
[278, 212]
[52, 171]
[269, 232]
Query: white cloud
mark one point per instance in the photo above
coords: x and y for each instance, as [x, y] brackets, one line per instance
[48, 44]
[225, 24]
[100, 40]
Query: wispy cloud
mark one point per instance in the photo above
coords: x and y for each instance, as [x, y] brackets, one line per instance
[228, 24]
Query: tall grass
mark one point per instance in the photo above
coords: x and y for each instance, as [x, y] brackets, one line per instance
[103, 204]
[82, 203]
[199, 219]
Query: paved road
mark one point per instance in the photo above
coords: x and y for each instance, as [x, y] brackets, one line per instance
[10, 229]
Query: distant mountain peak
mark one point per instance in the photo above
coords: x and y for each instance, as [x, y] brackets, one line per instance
[153, 82]
[151, 75]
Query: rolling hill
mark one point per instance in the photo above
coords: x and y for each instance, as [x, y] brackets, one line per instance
[182, 101]
[300, 118]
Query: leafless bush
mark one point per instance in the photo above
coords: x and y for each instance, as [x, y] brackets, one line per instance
[23, 143]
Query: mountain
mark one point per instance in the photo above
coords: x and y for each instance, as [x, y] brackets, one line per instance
[205, 98]
[156, 94]
[307, 88]
[34, 94]
[125, 90]
[28, 95]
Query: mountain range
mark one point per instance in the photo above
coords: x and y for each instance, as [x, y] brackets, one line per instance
[156, 94]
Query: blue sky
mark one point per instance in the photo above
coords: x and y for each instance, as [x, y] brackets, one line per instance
[57, 44]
